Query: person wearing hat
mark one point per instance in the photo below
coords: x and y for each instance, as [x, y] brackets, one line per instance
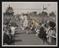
[51, 32]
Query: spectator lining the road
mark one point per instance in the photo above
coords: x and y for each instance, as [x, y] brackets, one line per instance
[42, 34]
[6, 37]
[51, 34]
[13, 27]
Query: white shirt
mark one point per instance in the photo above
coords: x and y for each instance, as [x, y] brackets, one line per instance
[25, 23]
[12, 30]
[51, 33]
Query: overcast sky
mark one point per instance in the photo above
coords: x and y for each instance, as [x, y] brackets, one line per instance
[20, 7]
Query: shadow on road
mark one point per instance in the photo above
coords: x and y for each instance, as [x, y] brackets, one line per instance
[18, 40]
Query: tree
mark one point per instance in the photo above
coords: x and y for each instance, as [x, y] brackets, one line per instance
[52, 14]
[9, 11]
[35, 12]
[44, 13]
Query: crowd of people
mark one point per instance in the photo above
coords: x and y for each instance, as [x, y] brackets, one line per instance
[46, 31]
[9, 33]
[48, 34]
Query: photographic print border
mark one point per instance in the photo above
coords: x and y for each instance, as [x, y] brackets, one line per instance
[35, 45]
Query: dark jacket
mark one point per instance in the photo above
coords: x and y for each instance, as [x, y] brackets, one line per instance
[42, 33]
[6, 39]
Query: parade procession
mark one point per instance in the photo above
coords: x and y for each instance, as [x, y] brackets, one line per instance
[29, 28]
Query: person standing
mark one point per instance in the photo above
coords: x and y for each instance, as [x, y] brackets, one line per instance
[51, 33]
[6, 37]
[12, 32]
[42, 34]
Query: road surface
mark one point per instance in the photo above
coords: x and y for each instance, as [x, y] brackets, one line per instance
[21, 38]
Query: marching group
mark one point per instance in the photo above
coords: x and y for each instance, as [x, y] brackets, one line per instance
[46, 31]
